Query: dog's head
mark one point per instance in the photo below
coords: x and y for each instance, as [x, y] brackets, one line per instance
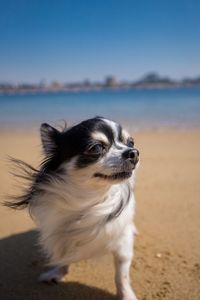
[95, 149]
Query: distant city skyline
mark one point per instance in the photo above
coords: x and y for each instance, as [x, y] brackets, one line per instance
[108, 78]
[71, 41]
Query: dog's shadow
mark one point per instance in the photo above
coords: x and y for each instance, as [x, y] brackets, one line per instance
[19, 267]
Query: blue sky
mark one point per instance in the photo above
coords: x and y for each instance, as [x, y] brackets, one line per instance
[72, 40]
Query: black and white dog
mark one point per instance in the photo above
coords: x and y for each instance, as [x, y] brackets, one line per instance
[82, 197]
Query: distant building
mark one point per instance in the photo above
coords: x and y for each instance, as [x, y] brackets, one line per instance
[56, 85]
[151, 78]
[86, 83]
[110, 81]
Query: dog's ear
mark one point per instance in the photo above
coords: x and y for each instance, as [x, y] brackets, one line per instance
[50, 138]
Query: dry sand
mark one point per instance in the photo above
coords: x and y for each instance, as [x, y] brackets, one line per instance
[167, 249]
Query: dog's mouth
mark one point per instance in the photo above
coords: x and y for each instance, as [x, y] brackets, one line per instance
[115, 176]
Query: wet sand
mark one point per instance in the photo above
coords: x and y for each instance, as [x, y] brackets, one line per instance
[167, 248]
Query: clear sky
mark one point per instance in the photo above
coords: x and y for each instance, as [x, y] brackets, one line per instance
[70, 40]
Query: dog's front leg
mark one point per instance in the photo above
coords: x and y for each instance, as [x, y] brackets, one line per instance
[123, 255]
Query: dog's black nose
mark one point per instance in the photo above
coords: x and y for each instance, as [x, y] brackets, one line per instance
[132, 155]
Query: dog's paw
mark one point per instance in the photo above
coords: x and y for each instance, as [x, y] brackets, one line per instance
[52, 276]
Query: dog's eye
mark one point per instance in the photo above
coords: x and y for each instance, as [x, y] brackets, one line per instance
[96, 149]
[130, 143]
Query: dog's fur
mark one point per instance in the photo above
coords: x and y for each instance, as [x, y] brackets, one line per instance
[82, 197]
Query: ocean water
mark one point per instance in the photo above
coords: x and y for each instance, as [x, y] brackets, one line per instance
[138, 109]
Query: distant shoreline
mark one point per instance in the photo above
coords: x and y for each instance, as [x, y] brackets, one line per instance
[49, 90]
[149, 81]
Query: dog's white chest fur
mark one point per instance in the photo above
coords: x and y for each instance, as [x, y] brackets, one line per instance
[71, 231]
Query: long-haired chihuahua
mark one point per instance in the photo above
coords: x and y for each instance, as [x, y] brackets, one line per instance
[81, 198]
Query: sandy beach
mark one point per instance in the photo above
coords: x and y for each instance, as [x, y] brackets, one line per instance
[167, 249]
